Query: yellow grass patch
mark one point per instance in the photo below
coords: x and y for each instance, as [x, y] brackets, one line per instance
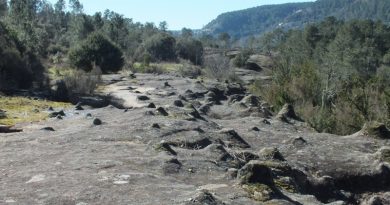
[21, 109]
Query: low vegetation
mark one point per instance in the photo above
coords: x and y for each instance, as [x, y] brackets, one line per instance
[218, 67]
[335, 73]
[21, 109]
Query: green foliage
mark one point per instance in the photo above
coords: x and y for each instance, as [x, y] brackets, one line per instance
[224, 39]
[76, 6]
[18, 68]
[62, 35]
[97, 50]
[241, 59]
[190, 49]
[186, 33]
[161, 47]
[3, 8]
[335, 72]
[80, 27]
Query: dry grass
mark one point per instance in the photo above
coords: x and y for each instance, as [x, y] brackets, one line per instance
[77, 81]
[21, 109]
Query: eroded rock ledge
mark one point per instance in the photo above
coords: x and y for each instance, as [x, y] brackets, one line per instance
[191, 142]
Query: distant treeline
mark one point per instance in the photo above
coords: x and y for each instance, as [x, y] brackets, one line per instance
[258, 20]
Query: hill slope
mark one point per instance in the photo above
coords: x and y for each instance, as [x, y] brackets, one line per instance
[261, 19]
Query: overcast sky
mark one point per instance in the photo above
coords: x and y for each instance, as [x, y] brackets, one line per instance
[192, 14]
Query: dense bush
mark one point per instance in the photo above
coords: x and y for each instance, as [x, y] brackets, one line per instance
[190, 49]
[336, 73]
[18, 68]
[159, 47]
[241, 59]
[97, 50]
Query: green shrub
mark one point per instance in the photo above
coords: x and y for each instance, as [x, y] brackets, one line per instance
[97, 50]
[190, 49]
[160, 47]
[18, 68]
[241, 59]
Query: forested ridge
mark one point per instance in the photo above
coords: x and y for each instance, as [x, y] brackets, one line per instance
[255, 21]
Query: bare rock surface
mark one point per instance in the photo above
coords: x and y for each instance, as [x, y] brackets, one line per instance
[204, 152]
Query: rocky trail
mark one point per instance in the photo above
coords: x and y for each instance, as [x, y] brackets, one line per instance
[185, 141]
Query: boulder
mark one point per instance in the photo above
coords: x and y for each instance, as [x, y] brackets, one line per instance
[9, 129]
[171, 166]
[297, 142]
[193, 144]
[178, 103]
[143, 98]
[255, 172]
[151, 105]
[235, 98]
[219, 93]
[260, 192]
[271, 153]
[193, 112]
[376, 130]
[3, 114]
[204, 198]
[287, 113]
[48, 129]
[265, 121]
[259, 62]
[222, 158]
[232, 139]
[377, 199]
[235, 89]
[256, 129]
[251, 101]
[231, 173]
[93, 101]
[155, 125]
[59, 91]
[189, 94]
[253, 66]
[162, 111]
[78, 106]
[97, 121]
[55, 114]
[204, 109]
[181, 97]
[383, 154]
[165, 147]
